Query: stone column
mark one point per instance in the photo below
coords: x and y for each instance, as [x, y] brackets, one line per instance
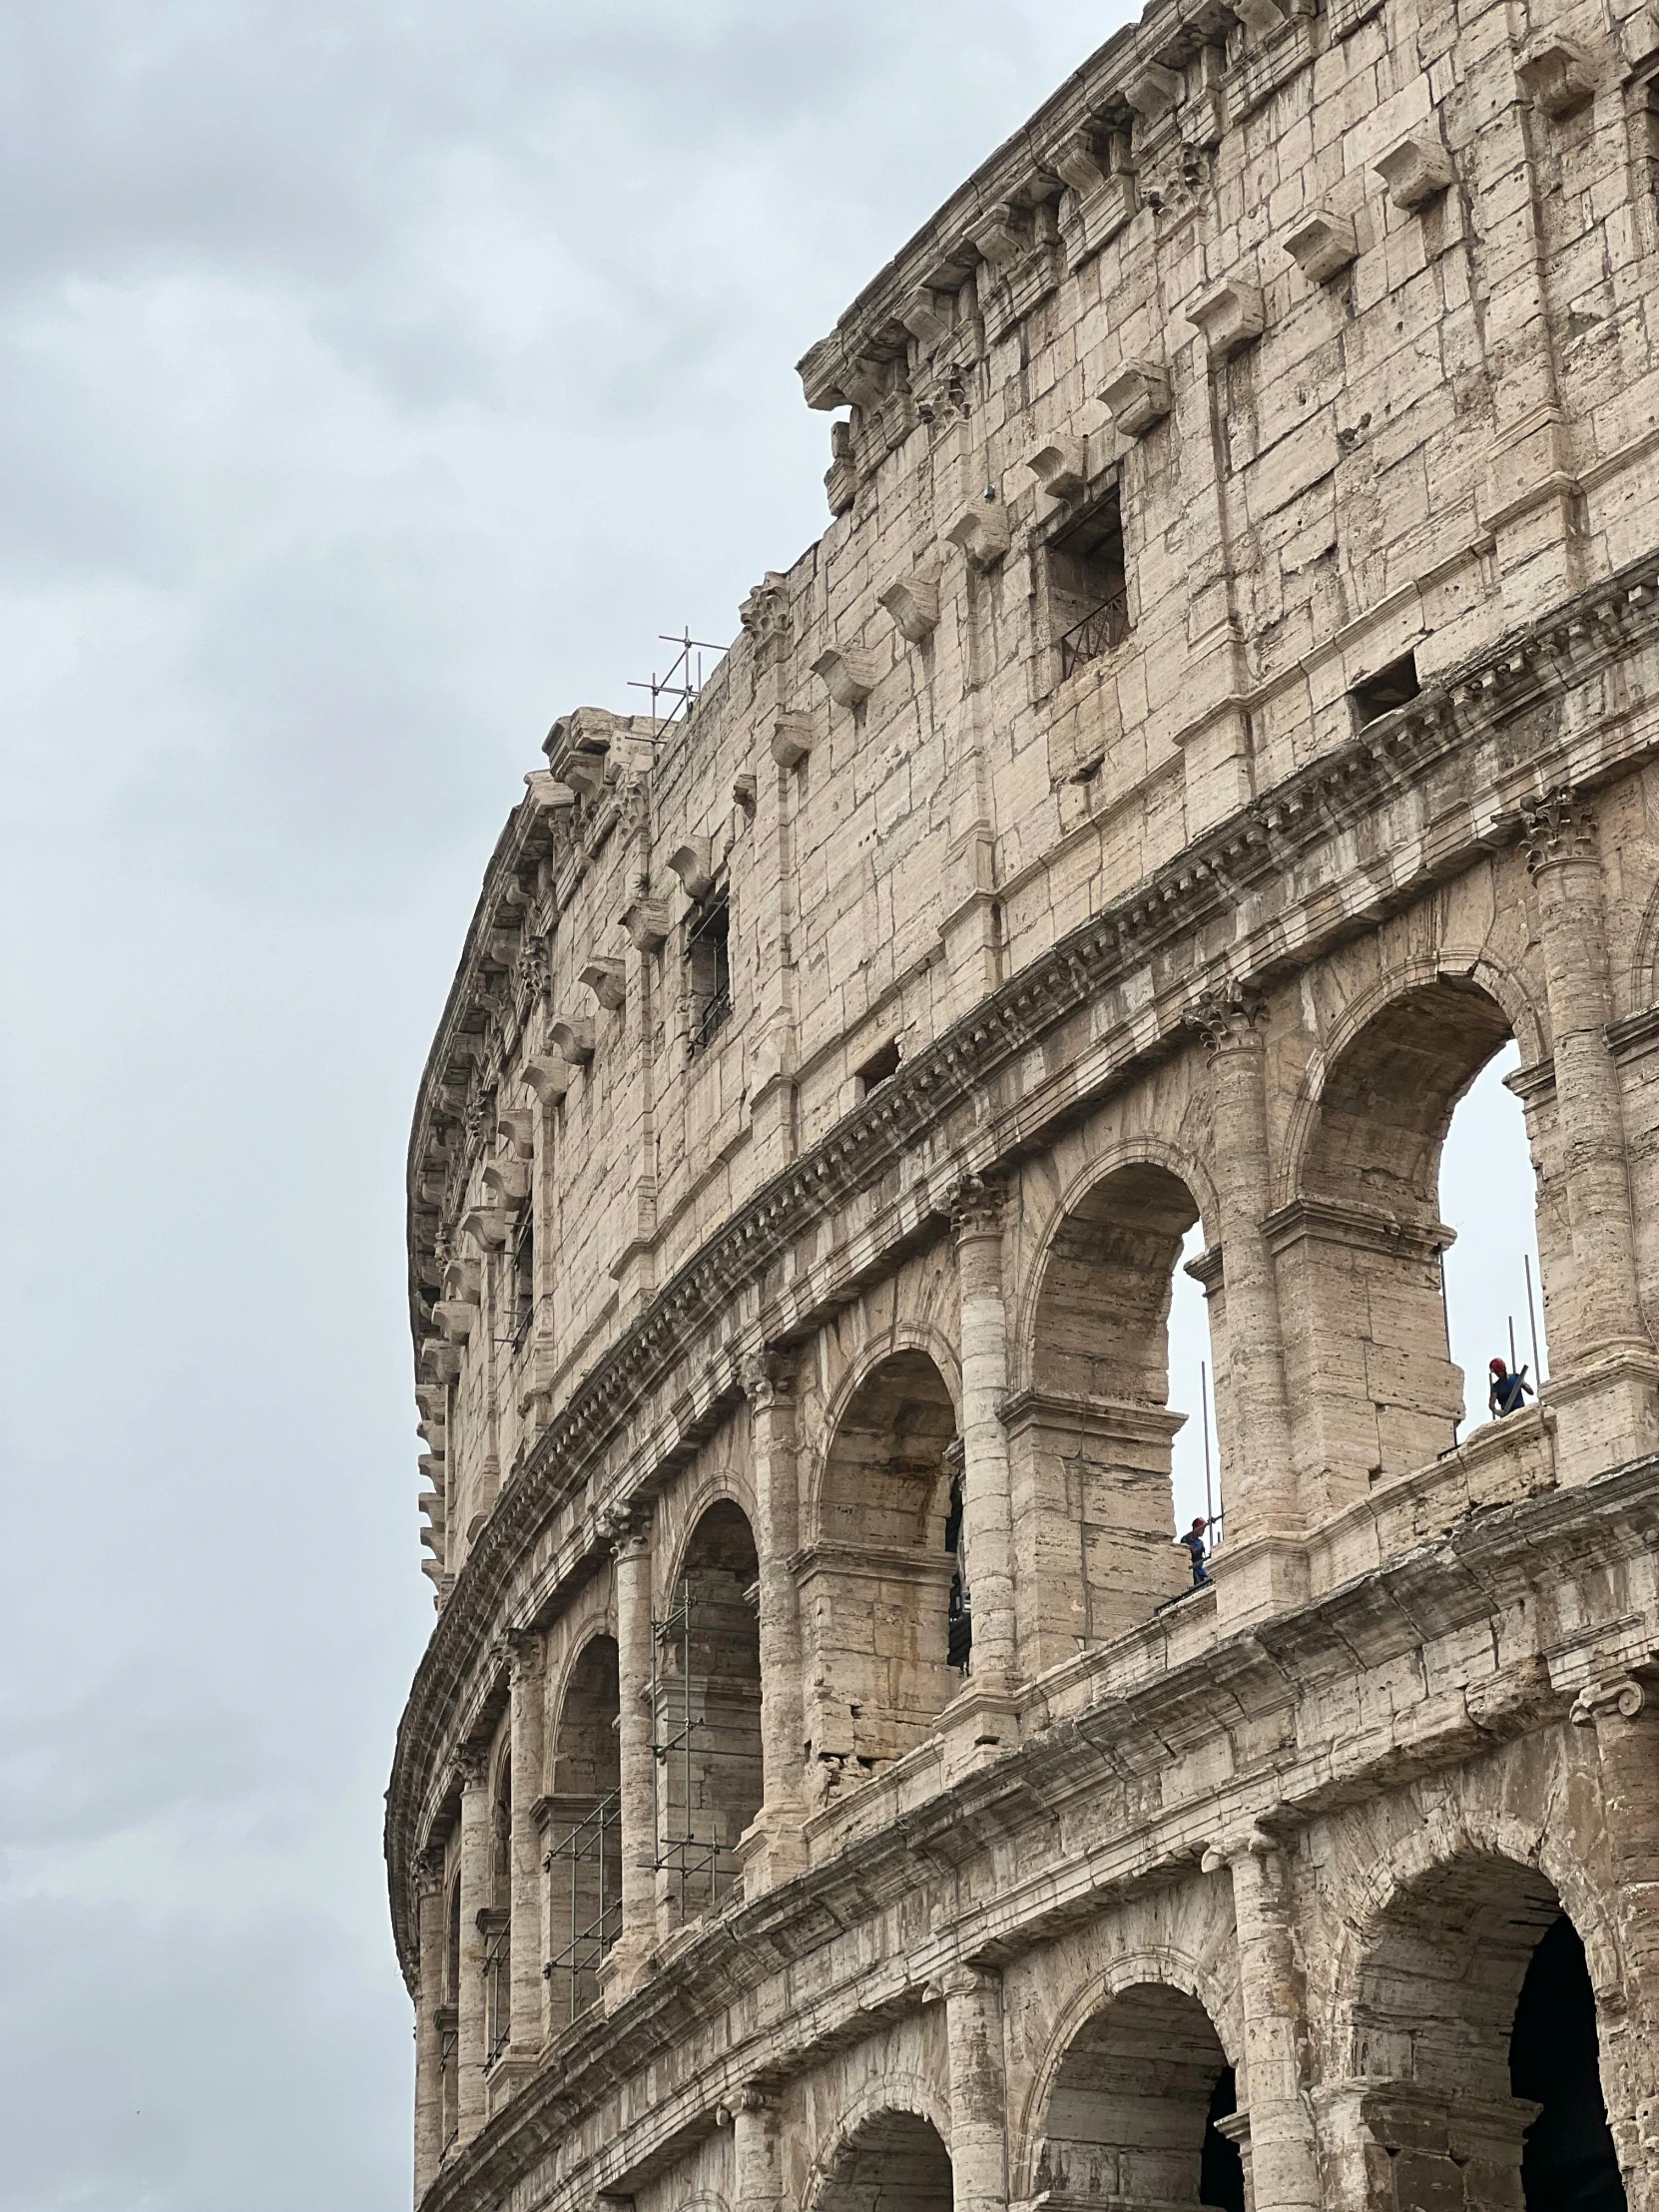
[624, 1964]
[978, 2088]
[757, 2170]
[471, 2027]
[1265, 1563]
[772, 1849]
[1278, 2140]
[529, 1939]
[428, 2098]
[976, 1211]
[1625, 1717]
[1603, 1389]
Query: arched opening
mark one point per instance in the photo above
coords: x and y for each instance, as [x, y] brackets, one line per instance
[584, 1831]
[876, 1586]
[449, 2018]
[1476, 2050]
[1374, 1387]
[496, 1922]
[1091, 1441]
[1139, 2109]
[705, 1711]
[893, 2162]
[1488, 1193]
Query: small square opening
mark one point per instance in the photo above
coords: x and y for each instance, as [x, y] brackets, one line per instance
[879, 1068]
[1088, 585]
[1392, 687]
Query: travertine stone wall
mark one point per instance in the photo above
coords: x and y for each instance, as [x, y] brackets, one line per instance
[1218, 718]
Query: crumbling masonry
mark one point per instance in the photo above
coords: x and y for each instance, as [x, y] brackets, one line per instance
[1222, 712]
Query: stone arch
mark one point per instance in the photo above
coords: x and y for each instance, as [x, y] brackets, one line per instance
[581, 1815]
[1155, 1963]
[1132, 2099]
[1140, 1151]
[903, 1337]
[890, 2154]
[1468, 2019]
[1090, 1437]
[1643, 984]
[705, 1711]
[1372, 1386]
[877, 1578]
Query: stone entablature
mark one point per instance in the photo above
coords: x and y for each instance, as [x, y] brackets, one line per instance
[1218, 718]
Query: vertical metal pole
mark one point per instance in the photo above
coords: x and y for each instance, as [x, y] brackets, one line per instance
[1533, 1317]
[1511, 1344]
[1204, 1417]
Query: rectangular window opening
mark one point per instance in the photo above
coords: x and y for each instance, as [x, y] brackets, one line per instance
[879, 1068]
[1088, 585]
[524, 1275]
[709, 970]
[1392, 687]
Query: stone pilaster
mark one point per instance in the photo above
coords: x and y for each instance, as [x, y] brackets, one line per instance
[470, 2087]
[1277, 2137]
[529, 1936]
[976, 1212]
[428, 2097]
[772, 1849]
[978, 2087]
[1263, 1564]
[1625, 1716]
[624, 1964]
[757, 2168]
[1602, 1357]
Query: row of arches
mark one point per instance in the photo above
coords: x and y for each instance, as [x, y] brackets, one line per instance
[1475, 2083]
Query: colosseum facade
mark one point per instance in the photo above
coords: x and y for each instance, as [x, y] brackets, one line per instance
[1218, 716]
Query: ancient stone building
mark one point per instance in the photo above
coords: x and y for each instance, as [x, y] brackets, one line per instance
[1219, 716]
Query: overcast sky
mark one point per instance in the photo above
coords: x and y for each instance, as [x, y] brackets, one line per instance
[379, 381]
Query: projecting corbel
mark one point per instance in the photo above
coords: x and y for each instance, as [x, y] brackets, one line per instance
[1137, 396]
[981, 531]
[457, 1318]
[646, 923]
[572, 1039]
[520, 1125]
[913, 603]
[606, 978]
[547, 793]
[849, 675]
[792, 739]
[487, 1224]
[510, 1180]
[691, 863]
[548, 1077]
[462, 1278]
[440, 1361]
[1415, 170]
[1557, 75]
[1061, 467]
[1322, 244]
[1228, 317]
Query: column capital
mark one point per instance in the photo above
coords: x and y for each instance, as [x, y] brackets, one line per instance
[472, 1763]
[768, 1377]
[976, 1205]
[752, 2097]
[963, 1980]
[1613, 1697]
[1557, 828]
[526, 1650]
[428, 1871]
[1229, 1017]
[625, 1528]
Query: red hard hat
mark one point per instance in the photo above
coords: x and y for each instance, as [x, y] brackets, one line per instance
[1498, 1368]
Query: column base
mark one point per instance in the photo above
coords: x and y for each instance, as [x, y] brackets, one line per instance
[980, 1726]
[772, 1850]
[1264, 1574]
[1606, 1413]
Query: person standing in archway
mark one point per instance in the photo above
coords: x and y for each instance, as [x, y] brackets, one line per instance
[1194, 1545]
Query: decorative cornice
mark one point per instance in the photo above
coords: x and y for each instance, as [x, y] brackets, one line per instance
[1264, 841]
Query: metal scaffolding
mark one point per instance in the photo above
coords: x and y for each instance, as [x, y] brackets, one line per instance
[591, 1851]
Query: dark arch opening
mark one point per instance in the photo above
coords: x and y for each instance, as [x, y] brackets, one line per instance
[1474, 2010]
[1093, 1440]
[584, 1830]
[1569, 2163]
[877, 1586]
[705, 1708]
[1135, 2113]
[893, 2162]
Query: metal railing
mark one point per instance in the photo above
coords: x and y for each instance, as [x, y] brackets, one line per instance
[498, 1991]
[715, 1011]
[592, 1850]
[1100, 630]
[449, 2044]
